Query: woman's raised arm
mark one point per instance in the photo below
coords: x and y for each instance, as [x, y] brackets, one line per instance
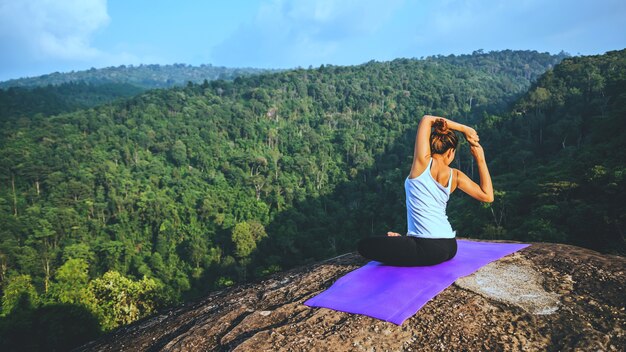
[484, 192]
[422, 152]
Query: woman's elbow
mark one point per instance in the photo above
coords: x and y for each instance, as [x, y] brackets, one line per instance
[429, 118]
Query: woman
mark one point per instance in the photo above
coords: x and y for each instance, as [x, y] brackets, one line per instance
[430, 239]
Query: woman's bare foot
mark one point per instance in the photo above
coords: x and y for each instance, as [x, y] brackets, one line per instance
[393, 234]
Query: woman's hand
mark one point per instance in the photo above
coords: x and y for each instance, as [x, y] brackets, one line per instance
[471, 136]
[478, 152]
[393, 234]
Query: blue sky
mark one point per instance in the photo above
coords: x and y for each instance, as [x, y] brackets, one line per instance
[43, 36]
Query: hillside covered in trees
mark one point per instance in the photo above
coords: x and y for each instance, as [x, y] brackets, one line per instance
[559, 159]
[173, 193]
[57, 93]
[16, 102]
[143, 76]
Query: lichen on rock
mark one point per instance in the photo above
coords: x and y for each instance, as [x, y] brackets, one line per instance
[512, 280]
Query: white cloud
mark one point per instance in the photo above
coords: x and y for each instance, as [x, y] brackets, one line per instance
[40, 36]
[48, 29]
[463, 26]
[287, 33]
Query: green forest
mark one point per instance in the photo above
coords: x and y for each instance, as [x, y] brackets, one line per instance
[57, 93]
[142, 76]
[116, 211]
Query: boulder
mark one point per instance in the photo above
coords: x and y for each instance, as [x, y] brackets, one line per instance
[544, 297]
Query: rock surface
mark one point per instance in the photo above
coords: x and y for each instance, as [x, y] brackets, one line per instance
[546, 297]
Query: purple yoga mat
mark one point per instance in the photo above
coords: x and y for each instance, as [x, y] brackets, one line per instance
[394, 293]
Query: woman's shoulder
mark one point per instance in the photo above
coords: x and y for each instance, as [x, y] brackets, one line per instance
[419, 166]
[458, 176]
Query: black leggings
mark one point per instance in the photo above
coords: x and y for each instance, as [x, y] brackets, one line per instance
[407, 250]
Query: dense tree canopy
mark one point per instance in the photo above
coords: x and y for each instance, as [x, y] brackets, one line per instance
[560, 156]
[17, 102]
[65, 92]
[175, 192]
[142, 76]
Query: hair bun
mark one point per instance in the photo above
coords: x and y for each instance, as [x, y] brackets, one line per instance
[440, 125]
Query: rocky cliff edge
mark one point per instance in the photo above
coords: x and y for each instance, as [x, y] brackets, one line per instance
[544, 297]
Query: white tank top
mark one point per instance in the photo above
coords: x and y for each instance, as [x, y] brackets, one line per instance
[426, 201]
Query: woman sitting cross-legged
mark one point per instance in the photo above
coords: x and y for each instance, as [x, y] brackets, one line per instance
[430, 239]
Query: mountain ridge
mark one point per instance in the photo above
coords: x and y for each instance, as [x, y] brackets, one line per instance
[195, 188]
[146, 76]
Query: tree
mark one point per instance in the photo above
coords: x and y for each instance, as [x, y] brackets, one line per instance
[71, 283]
[120, 300]
[179, 152]
[243, 239]
[19, 291]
